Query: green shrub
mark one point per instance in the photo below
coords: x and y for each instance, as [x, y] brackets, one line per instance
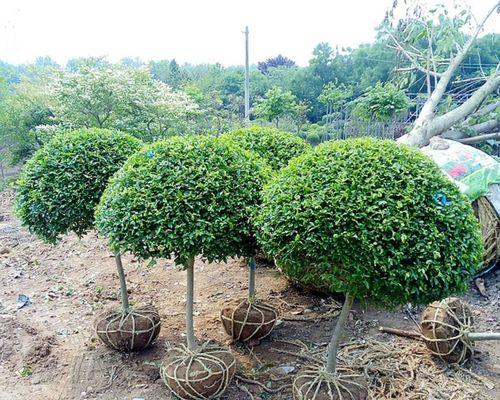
[184, 197]
[313, 138]
[274, 146]
[371, 218]
[61, 184]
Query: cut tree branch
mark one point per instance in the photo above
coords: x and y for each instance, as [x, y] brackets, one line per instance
[487, 109]
[446, 121]
[463, 131]
[480, 138]
[427, 124]
[414, 62]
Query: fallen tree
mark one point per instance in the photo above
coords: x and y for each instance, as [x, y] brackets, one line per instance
[447, 46]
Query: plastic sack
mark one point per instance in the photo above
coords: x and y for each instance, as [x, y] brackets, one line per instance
[471, 169]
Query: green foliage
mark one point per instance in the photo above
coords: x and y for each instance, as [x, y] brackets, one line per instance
[299, 114]
[60, 186]
[122, 98]
[276, 104]
[25, 107]
[274, 146]
[334, 95]
[372, 218]
[381, 103]
[313, 137]
[184, 196]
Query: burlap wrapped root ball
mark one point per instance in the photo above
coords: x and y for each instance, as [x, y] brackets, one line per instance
[201, 374]
[444, 326]
[248, 319]
[314, 383]
[127, 331]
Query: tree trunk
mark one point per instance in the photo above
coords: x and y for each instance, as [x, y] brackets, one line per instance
[477, 336]
[433, 126]
[251, 278]
[427, 124]
[123, 282]
[480, 138]
[191, 341]
[331, 362]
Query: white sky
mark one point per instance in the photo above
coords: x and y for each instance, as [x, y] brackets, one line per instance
[195, 31]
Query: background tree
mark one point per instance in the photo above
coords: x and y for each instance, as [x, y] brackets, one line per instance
[299, 115]
[334, 97]
[275, 62]
[381, 103]
[123, 98]
[26, 106]
[276, 104]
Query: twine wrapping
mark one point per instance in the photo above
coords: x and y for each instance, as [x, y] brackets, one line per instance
[131, 330]
[315, 383]
[200, 374]
[490, 227]
[445, 327]
[246, 319]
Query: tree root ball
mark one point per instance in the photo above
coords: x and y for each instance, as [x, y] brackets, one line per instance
[246, 319]
[314, 383]
[127, 331]
[201, 374]
[444, 328]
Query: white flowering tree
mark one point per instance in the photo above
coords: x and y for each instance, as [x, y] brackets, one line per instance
[122, 98]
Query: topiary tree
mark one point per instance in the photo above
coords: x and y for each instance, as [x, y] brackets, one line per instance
[57, 193]
[250, 318]
[375, 220]
[182, 198]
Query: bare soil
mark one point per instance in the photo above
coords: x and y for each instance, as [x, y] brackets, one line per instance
[48, 349]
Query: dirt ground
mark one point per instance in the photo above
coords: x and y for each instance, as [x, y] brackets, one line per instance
[48, 349]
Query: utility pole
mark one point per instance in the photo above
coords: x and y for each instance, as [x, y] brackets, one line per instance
[247, 82]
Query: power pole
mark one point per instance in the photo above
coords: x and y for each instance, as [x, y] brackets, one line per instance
[247, 82]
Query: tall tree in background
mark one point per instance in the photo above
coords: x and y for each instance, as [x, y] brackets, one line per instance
[334, 97]
[121, 98]
[276, 104]
[275, 62]
[448, 44]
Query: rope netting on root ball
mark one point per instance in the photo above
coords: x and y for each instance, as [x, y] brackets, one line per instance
[448, 331]
[130, 330]
[490, 227]
[444, 326]
[200, 374]
[315, 383]
[248, 319]
[395, 370]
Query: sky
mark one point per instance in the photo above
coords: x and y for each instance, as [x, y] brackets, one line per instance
[194, 31]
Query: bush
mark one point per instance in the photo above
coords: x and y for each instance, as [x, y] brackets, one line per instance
[61, 184]
[371, 218]
[274, 146]
[313, 138]
[184, 197]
